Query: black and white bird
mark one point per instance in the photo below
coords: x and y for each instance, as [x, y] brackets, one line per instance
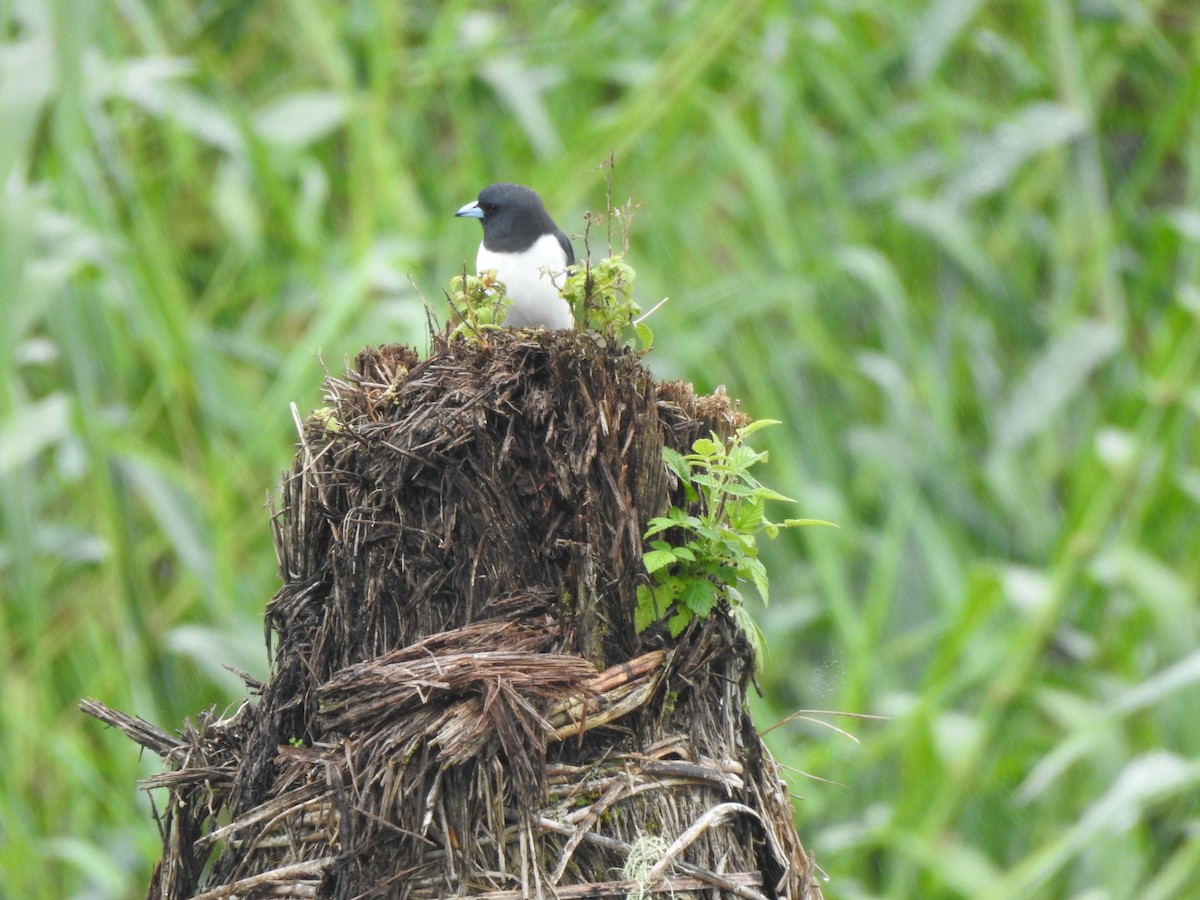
[527, 251]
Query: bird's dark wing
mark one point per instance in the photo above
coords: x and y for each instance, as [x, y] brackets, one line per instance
[565, 243]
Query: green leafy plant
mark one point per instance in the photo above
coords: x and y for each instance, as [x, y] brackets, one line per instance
[479, 303]
[715, 548]
[601, 296]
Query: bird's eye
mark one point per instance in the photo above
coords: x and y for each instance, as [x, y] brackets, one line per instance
[488, 207]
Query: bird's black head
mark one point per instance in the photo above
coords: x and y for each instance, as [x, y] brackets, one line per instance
[512, 215]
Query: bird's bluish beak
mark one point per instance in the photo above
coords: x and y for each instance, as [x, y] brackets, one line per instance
[471, 211]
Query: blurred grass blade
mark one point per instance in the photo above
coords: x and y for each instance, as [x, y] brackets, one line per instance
[176, 509]
[1143, 781]
[296, 120]
[26, 85]
[934, 31]
[954, 235]
[992, 161]
[29, 430]
[157, 85]
[1054, 380]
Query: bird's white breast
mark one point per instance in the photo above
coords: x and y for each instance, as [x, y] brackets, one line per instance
[531, 279]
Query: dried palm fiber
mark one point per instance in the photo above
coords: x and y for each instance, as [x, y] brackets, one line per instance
[459, 703]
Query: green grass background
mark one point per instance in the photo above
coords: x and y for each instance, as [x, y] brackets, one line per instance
[953, 244]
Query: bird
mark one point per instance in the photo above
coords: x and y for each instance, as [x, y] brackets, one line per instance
[527, 251]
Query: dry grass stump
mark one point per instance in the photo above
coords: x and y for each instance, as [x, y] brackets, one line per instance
[459, 704]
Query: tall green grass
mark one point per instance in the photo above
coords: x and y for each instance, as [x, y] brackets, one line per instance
[953, 244]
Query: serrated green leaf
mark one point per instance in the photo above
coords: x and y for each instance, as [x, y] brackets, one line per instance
[757, 425]
[753, 633]
[768, 494]
[700, 597]
[735, 543]
[676, 463]
[646, 613]
[679, 621]
[748, 516]
[684, 553]
[726, 574]
[734, 489]
[743, 457]
[758, 574]
[645, 336]
[668, 592]
[661, 593]
[709, 533]
[657, 559]
[706, 447]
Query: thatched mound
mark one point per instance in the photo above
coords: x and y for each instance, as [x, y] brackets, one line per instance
[459, 703]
